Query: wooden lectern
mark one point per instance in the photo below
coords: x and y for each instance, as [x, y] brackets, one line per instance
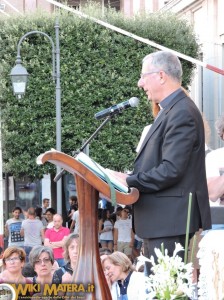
[88, 186]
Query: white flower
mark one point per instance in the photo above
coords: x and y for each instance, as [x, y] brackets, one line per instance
[177, 249]
[172, 278]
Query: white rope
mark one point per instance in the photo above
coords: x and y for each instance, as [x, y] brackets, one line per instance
[4, 13]
[138, 38]
[129, 34]
[12, 7]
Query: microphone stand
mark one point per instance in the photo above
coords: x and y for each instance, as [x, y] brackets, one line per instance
[94, 134]
[108, 118]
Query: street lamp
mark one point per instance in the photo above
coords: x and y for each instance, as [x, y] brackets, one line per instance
[19, 78]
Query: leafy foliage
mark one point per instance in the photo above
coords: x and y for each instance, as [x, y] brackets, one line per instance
[99, 67]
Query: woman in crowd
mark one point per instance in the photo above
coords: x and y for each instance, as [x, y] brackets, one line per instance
[71, 250]
[124, 282]
[13, 262]
[39, 216]
[106, 226]
[42, 260]
[73, 201]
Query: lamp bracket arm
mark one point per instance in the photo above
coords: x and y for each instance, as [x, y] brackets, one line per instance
[18, 58]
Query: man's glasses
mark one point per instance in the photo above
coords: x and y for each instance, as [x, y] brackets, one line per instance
[13, 259]
[42, 261]
[143, 75]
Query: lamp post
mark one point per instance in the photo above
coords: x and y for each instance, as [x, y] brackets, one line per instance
[19, 77]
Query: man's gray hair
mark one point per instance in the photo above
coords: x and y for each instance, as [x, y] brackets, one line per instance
[168, 62]
[36, 252]
[219, 125]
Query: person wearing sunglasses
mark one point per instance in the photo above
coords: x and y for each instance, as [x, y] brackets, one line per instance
[123, 233]
[42, 260]
[13, 262]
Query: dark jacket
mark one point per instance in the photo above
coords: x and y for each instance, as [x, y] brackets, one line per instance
[57, 276]
[171, 164]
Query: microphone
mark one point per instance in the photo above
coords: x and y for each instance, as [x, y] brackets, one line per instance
[117, 108]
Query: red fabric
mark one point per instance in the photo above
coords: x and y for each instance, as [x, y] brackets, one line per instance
[57, 236]
[2, 241]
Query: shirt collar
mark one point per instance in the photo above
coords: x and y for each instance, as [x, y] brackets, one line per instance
[168, 99]
[124, 286]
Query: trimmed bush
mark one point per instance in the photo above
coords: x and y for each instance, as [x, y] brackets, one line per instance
[99, 68]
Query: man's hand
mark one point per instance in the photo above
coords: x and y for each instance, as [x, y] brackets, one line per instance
[215, 187]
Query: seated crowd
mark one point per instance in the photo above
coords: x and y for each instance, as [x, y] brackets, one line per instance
[45, 254]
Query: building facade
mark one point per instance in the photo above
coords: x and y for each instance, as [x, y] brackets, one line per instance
[207, 87]
[128, 7]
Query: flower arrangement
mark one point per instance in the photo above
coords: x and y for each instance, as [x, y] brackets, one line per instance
[172, 278]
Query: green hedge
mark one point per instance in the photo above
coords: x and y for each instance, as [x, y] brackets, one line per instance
[99, 68]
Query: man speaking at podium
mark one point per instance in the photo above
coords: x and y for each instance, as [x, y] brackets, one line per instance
[170, 163]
